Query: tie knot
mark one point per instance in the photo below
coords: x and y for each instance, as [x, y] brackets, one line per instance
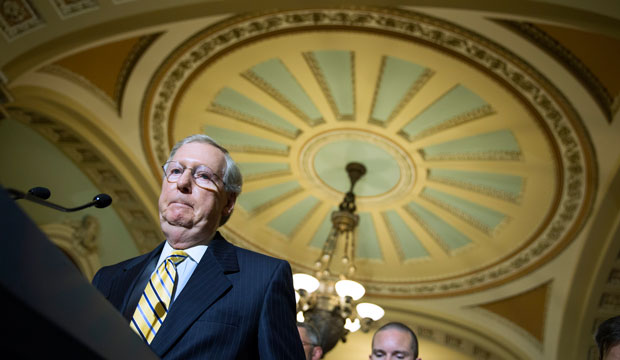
[177, 256]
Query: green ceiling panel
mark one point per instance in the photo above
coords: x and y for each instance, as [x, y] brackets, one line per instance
[336, 67]
[382, 174]
[323, 231]
[289, 220]
[498, 145]
[256, 170]
[447, 236]
[397, 78]
[244, 108]
[367, 245]
[407, 242]
[238, 141]
[456, 106]
[276, 75]
[498, 185]
[487, 219]
[257, 199]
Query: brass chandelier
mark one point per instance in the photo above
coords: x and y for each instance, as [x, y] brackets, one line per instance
[329, 301]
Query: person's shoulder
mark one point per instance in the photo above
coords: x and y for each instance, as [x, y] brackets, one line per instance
[244, 254]
[257, 256]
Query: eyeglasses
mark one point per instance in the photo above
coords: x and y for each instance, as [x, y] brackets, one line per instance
[311, 344]
[203, 176]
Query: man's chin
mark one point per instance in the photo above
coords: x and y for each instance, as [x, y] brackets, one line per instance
[181, 222]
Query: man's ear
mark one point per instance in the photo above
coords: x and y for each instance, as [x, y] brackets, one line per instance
[230, 205]
[317, 352]
[228, 208]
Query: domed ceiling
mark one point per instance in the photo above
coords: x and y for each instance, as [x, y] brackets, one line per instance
[478, 169]
[488, 215]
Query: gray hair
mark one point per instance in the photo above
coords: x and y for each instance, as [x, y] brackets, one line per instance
[232, 175]
[312, 332]
[403, 328]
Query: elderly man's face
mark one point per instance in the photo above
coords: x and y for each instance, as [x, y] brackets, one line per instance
[390, 344]
[189, 214]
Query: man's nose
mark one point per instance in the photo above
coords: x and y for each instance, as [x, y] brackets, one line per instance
[185, 181]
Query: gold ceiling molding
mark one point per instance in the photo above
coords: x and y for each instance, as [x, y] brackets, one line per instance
[320, 78]
[143, 229]
[258, 81]
[463, 215]
[597, 90]
[526, 310]
[568, 141]
[66, 74]
[128, 59]
[411, 92]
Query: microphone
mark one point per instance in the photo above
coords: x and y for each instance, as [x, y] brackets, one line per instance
[40, 194]
[102, 200]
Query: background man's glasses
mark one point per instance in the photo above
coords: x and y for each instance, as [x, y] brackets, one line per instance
[203, 176]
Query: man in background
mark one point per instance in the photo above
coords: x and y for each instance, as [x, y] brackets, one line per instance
[310, 340]
[608, 339]
[392, 341]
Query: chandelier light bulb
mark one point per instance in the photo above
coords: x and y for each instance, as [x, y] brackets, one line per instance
[369, 310]
[352, 326]
[350, 288]
[306, 282]
[300, 317]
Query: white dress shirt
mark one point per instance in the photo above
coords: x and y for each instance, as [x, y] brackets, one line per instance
[184, 269]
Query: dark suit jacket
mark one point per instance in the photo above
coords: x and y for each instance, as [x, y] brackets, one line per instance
[237, 304]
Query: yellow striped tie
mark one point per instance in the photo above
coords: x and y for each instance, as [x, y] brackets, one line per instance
[153, 305]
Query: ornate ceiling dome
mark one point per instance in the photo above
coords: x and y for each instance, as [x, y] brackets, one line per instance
[478, 168]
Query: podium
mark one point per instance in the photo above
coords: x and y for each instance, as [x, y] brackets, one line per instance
[49, 309]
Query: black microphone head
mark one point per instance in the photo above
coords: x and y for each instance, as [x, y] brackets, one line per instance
[40, 192]
[102, 200]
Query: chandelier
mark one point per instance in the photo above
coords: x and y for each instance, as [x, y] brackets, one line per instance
[329, 301]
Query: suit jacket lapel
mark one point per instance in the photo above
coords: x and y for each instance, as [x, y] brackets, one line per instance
[130, 278]
[206, 285]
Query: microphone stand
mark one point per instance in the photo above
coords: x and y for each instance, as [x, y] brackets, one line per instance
[39, 194]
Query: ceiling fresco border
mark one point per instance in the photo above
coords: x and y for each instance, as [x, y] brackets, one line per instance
[144, 231]
[608, 106]
[556, 117]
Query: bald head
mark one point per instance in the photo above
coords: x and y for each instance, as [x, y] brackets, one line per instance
[394, 341]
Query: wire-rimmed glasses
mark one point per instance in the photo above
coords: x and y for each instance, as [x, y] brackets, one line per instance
[203, 176]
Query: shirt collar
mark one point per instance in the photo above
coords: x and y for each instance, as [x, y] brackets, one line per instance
[195, 252]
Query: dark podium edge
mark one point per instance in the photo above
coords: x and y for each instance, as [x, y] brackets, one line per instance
[51, 309]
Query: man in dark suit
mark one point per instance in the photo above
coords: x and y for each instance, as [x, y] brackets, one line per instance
[196, 295]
